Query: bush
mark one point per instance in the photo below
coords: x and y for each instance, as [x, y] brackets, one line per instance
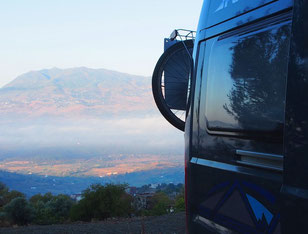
[180, 202]
[19, 211]
[102, 202]
[39, 197]
[51, 209]
[60, 206]
[159, 204]
[7, 196]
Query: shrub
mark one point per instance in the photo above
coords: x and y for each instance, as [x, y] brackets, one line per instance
[7, 196]
[102, 202]
[180, 202]
[159, 204]
[39, 197]
[51, 209]
[19, 211]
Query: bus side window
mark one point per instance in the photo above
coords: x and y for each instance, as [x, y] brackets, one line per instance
[246, 81]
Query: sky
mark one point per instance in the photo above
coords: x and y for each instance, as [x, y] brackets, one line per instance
[122, 35]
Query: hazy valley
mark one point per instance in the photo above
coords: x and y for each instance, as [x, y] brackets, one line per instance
[112, 164]
[83, 122]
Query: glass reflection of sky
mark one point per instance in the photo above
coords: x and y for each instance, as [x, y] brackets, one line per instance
[220, 85]
[246, 80]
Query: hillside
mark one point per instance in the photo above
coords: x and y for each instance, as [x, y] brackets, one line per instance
[76, 91]
[83, 122]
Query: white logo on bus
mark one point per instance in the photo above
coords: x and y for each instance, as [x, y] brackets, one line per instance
[224, 4]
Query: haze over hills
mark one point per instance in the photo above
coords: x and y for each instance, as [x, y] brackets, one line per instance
[76, 91]
[85, 122]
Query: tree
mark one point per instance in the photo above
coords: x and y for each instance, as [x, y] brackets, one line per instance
[19, 211]
[180, 201]
[51, 209]
[7, 196]
[39, 197]
[3, 193]
[101, 202]
[60, 206]
[159, 204]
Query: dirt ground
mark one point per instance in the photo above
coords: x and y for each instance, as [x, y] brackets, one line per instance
[172, 223]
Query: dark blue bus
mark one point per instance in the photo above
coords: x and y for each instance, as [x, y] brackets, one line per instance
[246, 127]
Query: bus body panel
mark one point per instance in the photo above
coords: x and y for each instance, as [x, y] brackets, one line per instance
[246, 132]
[294, 191]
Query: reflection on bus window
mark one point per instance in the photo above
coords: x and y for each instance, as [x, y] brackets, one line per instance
[247, 81]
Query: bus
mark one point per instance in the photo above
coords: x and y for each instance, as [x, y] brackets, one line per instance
[246, 117]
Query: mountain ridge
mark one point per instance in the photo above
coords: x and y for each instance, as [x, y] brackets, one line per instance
[48, 73]
[76, 91]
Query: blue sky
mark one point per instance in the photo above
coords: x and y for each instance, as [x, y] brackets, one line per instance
[122, 35]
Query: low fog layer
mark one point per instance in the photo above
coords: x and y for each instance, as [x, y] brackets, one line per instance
[58, 137]
[81, 113]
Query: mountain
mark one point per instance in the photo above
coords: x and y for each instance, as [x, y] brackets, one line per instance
[84, 122]
[76, 92]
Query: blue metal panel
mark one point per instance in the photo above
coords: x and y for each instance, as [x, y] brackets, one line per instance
[295, 181]
[207, 29]
[222, 10]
